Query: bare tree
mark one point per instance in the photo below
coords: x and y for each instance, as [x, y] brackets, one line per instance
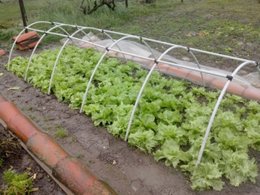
[149, 1]
[89, 7]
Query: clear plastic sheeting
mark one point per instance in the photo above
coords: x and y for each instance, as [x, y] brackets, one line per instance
[141, 50]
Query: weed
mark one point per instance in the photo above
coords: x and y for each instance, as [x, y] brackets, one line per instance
[17, 183]
[80, 156]
[8, 146]
[1, 162]
[61, 133]
[7, 34]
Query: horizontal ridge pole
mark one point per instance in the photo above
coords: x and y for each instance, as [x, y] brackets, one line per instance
[171, 44]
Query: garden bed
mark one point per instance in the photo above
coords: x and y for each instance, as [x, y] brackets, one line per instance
[172, 114]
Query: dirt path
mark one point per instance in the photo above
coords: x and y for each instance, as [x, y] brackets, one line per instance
[126, 169]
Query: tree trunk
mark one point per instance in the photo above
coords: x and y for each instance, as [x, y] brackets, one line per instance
[149, 1]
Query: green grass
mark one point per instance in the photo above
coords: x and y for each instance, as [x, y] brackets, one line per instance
[10, 12]
[61, 133]
[230, 27]
[10, 18]
[17, 183]
[210, 25]
[1, 162]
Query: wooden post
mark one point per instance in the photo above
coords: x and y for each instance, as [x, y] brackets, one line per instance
[23, 13]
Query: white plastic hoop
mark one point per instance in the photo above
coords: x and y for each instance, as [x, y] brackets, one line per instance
[108, 33]
[18, 36]
[230, 77]
[38, 43]
[142, 89]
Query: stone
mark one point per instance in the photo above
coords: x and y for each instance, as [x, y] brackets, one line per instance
[136, 185]
[2, 52]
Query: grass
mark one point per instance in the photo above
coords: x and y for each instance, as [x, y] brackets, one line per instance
[1, 162]
[10, 18]
[17, 183]
[230, 27]
[61, 133]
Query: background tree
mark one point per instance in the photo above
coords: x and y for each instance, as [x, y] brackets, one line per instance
[89, 6]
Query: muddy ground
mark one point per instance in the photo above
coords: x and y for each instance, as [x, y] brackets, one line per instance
[125, 168]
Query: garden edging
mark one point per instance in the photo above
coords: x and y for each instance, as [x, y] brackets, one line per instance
[66, 168]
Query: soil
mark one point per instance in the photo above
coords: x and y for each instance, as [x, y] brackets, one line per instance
[16, 158]
[124, 168]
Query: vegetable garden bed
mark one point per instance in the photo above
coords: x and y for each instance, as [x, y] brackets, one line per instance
[171, 118]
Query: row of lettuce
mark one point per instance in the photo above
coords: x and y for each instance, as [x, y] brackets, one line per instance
[171, 118]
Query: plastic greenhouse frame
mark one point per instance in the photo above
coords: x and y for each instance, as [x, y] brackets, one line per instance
[154, 59]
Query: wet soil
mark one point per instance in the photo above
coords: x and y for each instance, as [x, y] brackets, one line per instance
[15, 157]
[124, 168]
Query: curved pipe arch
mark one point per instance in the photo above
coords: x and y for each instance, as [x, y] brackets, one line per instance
[212, 117]
[142, 89]
[194, 58]
[97, 65]
[110, 37]
[100, 61]
[66, 42]
[61, 50]
[37, 44]
[18, 36]
[146, 80]
[103, 56]
[149, 47]
[198, 65]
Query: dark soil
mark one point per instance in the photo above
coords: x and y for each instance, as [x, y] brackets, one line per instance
[15, 157]
[124, 168]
